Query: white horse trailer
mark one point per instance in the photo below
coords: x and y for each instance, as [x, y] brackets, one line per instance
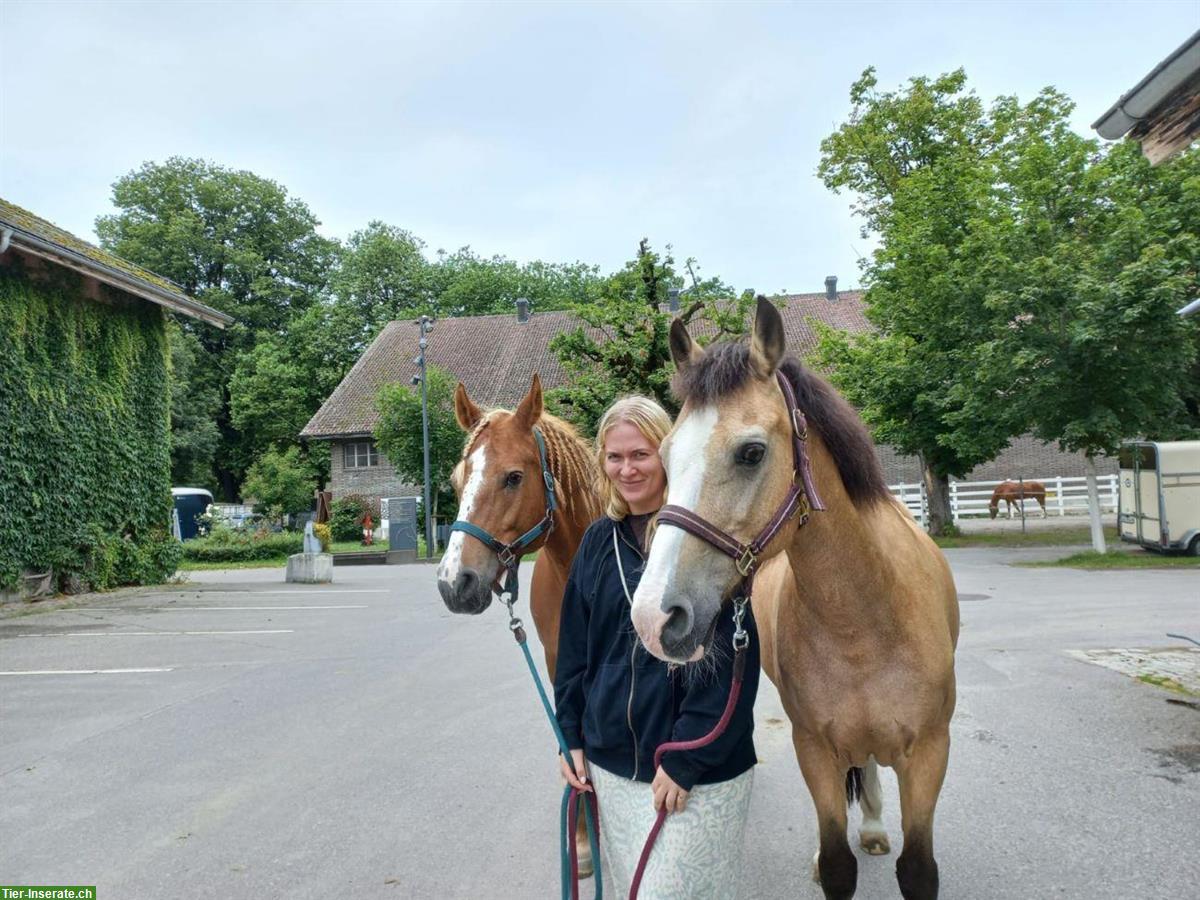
[1160, 495]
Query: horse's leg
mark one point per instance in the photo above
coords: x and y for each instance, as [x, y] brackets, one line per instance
[920, 777]
[872, 836]
[826, 780]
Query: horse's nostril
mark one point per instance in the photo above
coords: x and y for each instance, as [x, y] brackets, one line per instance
[678, 626]
[466, 582]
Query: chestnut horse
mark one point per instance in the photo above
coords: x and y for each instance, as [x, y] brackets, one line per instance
[500, 489]
[1012, 492]
[858, 633]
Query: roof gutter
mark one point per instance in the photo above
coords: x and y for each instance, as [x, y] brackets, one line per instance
[5, 239]
[1137, 104]
[62, 256]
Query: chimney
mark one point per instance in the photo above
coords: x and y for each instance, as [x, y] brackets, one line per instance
[831, 288]
[673, 300]
[522, 309]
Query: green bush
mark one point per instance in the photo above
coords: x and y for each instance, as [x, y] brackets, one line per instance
[226, 545]
[100, 560]
[346, 516]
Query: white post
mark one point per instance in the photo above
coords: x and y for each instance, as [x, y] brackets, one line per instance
[1094, 507]
[923, 505]
[1058, 495]
[954, 501]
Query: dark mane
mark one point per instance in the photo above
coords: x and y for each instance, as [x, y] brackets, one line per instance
[725, 367]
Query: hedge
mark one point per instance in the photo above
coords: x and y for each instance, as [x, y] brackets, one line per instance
[224, 545]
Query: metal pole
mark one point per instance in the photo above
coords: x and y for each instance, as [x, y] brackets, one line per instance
[1021, 481]
[429, 548]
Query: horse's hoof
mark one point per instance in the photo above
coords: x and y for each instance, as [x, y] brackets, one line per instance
[875, 842]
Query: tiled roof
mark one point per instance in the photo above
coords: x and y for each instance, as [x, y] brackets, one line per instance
[34, 235]
[494, 357]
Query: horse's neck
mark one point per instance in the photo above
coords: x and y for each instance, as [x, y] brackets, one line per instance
[839, 558]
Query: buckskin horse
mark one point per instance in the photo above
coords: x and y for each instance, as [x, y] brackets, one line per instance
[1012, 492]
[499, 481]
[858, 633]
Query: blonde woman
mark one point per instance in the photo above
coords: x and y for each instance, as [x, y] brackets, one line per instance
[616, 703]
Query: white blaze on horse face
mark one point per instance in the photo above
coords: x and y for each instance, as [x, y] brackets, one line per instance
[685, 478]
[452, 559]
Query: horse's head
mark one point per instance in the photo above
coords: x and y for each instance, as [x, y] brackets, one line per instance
[729, 460]
[993, 507]
[500, 489]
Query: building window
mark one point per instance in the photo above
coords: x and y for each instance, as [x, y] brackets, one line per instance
[359, 455]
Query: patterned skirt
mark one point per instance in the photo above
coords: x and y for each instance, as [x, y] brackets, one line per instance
[698, 855]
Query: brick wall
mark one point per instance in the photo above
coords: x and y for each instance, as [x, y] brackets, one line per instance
[371, 481]
[1026, 457]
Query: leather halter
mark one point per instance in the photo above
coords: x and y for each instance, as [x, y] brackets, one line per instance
[510, 554]
[801, 498]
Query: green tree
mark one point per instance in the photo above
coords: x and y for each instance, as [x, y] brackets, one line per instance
[233, 240]
[281, 483]
[623, 345]
[399, 433]
[925, 163]
[195, 403]
[468, 285]
[1108, 250]
[384, 275]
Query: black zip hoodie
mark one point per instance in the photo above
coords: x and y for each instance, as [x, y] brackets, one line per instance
[618, 702]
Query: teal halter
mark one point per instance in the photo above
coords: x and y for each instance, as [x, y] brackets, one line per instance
[510, 554]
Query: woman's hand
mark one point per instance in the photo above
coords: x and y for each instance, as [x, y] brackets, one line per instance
[667, 793]
[578, 778]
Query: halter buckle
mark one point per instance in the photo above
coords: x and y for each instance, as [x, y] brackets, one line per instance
[746, 562]
[506, 557]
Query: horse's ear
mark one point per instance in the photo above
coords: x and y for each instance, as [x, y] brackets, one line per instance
[684, 350]
[767, 343]
[465, 410]
[530, 408]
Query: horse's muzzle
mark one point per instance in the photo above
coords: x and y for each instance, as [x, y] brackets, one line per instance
[468, 595]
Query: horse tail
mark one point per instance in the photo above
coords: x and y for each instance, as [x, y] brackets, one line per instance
[854, 785]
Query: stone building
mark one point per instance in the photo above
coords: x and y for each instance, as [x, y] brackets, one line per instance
[495, 355]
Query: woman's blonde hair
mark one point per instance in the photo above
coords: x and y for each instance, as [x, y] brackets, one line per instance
[647, 417]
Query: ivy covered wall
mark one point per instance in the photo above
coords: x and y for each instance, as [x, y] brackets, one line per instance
[84, 431]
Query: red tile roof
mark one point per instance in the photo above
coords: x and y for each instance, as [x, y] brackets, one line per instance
[494, 357]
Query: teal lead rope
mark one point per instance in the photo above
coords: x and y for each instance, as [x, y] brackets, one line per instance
[569, 816]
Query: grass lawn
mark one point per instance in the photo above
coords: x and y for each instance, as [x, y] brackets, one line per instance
[1049, 537]
[1119, 559]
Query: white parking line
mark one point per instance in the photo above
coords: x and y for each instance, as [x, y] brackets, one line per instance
[85, 671]
[191, 608]
[147, 633]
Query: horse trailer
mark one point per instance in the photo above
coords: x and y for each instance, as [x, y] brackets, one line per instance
[1159, 504]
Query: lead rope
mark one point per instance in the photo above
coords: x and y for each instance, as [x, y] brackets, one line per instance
[741, 640]
[569, 816]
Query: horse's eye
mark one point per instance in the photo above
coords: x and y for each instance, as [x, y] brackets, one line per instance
[751, 454]
[513, 479]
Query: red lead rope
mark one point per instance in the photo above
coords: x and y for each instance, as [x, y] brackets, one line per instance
[735, 689]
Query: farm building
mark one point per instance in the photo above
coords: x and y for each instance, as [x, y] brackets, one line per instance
[494, 356]
[85, 492]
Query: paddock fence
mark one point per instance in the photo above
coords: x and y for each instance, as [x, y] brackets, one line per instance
[1065, 496]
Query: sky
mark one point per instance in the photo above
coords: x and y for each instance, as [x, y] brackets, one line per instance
[554, 131]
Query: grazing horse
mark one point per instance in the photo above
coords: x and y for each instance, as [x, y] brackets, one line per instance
[1012, 492]
[500, 489]
[858, 633]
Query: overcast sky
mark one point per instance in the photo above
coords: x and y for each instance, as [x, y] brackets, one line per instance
[558, 131]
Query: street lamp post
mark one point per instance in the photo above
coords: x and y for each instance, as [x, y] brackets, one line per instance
[426, 324]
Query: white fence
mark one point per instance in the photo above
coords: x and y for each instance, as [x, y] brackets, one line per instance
[233, 514]
[1065, 496]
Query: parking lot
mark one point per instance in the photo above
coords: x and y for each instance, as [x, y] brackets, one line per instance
[242, 737]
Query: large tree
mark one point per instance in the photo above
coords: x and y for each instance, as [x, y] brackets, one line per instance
[233, 240]
[922, 163]
[400, 435]
[467, 284]
[623, 347]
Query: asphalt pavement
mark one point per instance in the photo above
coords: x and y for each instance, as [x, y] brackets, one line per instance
[241, 737]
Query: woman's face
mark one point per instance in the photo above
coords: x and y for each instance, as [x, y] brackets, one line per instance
[632, 462]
